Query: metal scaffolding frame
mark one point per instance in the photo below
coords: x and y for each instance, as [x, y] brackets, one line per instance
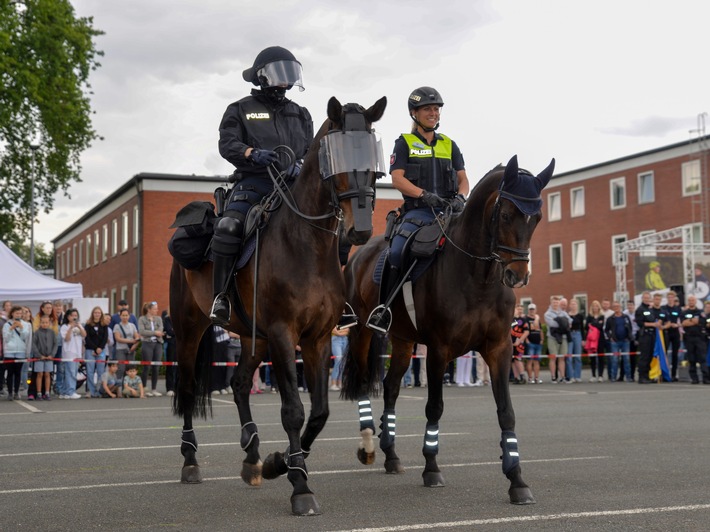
[659, 241]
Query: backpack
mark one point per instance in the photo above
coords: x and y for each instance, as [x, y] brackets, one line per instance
[194, 225]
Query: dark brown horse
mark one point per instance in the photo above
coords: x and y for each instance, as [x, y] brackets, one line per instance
[463, 302]
[295, 282]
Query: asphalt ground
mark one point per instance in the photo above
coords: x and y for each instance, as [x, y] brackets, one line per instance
[602, 456]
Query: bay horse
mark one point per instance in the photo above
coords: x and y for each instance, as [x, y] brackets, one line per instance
[463, 302]
[294, 281]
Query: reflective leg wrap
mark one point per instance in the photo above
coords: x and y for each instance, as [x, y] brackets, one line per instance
[189, 442]
[511, 456]
[249, 435]
[431, 439]
[364, 409]
[387, 427]
[296, 461]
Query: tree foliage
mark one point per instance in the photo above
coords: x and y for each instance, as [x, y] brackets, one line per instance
[46, 56]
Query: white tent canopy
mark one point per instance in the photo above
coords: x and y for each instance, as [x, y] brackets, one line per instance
[19, 281]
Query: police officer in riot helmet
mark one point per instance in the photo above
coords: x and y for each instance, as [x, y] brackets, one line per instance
[250, 130]
[428, 169]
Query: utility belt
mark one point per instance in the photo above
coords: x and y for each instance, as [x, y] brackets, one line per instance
[410, 204]
[648, 331]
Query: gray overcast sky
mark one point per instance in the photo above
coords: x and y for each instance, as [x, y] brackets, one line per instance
[583, 82]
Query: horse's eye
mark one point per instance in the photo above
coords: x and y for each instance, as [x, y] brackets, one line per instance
[505, 216]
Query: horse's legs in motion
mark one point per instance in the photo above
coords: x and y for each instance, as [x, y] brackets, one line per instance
[242, 383]
[401, 356]
[316, 364]
[435, 367]
[499, 362]
[362, 340]
[186, 399]
[283, 357]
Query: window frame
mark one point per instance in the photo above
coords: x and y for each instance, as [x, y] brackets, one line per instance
[639, 180]
[572, 202]
[551, 247]
[550, 206]
[576, 246]
[625, 258]
[612, 182]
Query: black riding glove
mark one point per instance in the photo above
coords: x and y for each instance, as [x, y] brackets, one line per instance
[432, 200]
[263, 157]
[457, 204]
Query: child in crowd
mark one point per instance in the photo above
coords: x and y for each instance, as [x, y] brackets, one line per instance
[110, 384]
[132, 384]
[45, 344]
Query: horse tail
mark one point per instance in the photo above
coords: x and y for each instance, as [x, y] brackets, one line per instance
[363, 377]
[199, 401]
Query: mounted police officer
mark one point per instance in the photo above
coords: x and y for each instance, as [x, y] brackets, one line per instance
[428, 169]
[250, 131]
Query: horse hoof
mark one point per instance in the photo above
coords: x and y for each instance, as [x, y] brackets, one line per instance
[433, 479]
[305, 504]
[191, 474]
[251, 473]
[274, 466]
[365, 457]
[393, 467]
[521, 496]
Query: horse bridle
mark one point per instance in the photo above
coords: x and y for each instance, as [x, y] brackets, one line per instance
[519, 254]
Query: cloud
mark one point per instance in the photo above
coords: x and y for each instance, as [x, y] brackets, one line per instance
[650, 126]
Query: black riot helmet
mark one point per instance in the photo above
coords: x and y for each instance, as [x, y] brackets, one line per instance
[275, 68]
[421, 97]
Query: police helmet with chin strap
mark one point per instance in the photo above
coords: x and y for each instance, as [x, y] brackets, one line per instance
[275, 67]
[419, 98]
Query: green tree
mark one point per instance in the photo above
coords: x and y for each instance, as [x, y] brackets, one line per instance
[44, 260]
[46, 56]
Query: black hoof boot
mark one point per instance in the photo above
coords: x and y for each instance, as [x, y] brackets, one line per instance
[191, 474]
[304, 504]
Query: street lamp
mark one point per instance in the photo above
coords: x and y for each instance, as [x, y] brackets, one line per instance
[34, 148]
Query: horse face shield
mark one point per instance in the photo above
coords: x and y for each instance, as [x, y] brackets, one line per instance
[359, 155]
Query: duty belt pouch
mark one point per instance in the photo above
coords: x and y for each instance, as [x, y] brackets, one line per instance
[426, 241]
[391, 222]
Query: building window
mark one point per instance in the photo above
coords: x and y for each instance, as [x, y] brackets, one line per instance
[135, 226]
[697, 233]
[124, 232]
[114, 237]
[579, 255]
[112, 300]
[649, 250]
[554, 207]
[617, 190]
[73, 259]
[576, 197]
[555, 258]
[691, 178]
[88, 251]
[60, 264]
[646, 191]
[617, 258]
[104, 244]
[81, 255]
[124, 293]
[96, 247]
[581, 302]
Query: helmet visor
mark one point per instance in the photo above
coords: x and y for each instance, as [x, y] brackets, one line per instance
[284, 74]
[347, 151]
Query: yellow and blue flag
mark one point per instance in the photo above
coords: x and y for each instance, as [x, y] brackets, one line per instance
[659, 364]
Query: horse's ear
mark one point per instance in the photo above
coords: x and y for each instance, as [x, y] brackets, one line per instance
[374, 113]
[335, 110]
[511, 170]
[546, 174]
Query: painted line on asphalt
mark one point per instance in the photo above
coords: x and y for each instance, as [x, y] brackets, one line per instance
[29, 407]
[533, 518]
[369, 470]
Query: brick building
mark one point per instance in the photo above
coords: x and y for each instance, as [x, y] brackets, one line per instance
[118, 249]
[587, 211]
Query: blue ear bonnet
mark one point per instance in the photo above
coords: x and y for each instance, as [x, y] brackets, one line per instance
[523, 189]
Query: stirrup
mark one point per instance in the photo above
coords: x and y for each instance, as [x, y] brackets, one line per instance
[347, 319]
[216, 315]
[380, 319]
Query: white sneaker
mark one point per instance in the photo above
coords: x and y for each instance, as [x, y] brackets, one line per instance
[170, 393]
[216, 392]
[64, 397]
[479, 382]
[74, 396]
[600, 379]
[226, 391]
[592, 379]
[335, 388]
[156, 393]
[148, 394]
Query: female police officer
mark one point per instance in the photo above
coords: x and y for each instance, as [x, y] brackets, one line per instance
[428, 169]
[251, 129]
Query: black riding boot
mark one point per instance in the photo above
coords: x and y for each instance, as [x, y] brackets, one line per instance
[381, 317]
[222, 307]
